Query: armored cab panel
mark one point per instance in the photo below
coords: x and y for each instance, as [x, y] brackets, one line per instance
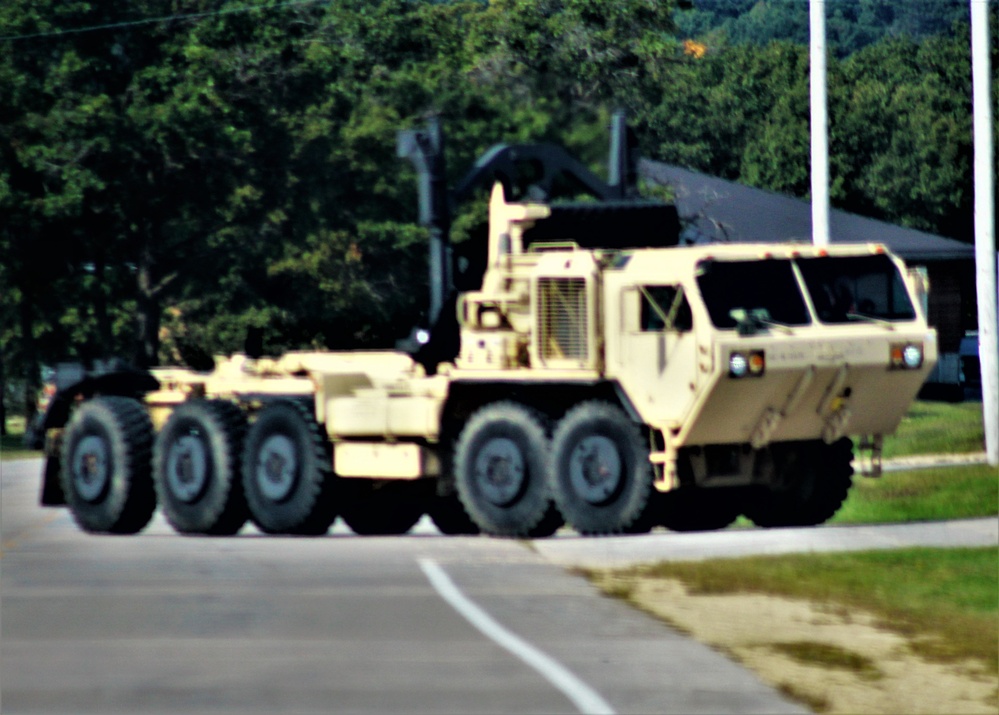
[654, 347]
[758, 344]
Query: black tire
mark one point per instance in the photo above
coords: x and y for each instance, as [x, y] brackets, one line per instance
[601, 476]
[196, 468]
[693, 509]
[551, 522]
[450, 517]
[287, 471]
[106, 466]
[814, 479]
[500, 469]
[651, 515]
[383, 509]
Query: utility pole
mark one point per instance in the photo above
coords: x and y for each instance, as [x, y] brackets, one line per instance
[985, 227]
[819, 122]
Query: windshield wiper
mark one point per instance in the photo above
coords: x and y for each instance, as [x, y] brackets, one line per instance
[854, 315]
[749, 322]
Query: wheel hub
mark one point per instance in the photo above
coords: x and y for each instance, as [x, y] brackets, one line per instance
[499, 471]
[595, 469]
[277, 467]
[91, 468]
[187, 468]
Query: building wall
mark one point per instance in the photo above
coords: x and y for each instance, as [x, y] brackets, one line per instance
[952, 286]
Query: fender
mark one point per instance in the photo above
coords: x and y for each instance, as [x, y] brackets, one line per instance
[76, 382]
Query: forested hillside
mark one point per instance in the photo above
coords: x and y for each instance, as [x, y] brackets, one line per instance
[851, 25]
[173, 172]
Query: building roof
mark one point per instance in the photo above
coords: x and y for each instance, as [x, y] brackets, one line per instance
[717, 210]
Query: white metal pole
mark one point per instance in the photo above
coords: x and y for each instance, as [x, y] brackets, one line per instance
[985, 227]
[819, 123]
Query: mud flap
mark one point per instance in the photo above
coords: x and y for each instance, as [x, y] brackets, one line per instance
[52, 494]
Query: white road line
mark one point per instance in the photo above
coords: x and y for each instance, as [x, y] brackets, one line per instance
[585, 698]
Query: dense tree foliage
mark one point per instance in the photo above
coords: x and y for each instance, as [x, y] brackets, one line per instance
[174, 172]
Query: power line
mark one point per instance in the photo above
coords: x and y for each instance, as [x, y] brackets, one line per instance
[167, 18]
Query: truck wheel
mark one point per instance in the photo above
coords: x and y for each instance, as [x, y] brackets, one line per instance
[691, 509]
[106, 474]
[450, 517]
[500, 467]
[383, 509]
[196, 468]
[601, 473]
[287, 472]
[814, 478]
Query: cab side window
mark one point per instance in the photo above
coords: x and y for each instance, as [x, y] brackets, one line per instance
[665, 307]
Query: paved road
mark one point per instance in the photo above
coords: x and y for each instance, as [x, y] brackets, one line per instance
[169, 624]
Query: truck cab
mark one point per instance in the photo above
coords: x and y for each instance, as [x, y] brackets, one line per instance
[735, 361]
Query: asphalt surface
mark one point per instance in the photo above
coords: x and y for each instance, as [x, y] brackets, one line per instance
[161, 623]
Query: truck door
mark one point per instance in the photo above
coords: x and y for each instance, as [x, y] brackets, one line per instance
[657, 357]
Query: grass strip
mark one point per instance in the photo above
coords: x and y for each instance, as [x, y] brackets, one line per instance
[945, 601]
[828, 656]
[923, 495]
[938, 428]
[12, 447]
[937, 494]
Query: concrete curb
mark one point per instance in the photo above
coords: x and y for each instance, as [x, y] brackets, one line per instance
[925, 461]
[620, 551]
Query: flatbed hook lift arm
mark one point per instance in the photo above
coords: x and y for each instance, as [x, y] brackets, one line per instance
[425, 149]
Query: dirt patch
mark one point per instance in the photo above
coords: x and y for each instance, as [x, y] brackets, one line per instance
[832, 660]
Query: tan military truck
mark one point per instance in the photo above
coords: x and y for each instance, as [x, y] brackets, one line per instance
[599, 374]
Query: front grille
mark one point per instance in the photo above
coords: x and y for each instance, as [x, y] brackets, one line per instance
[562, 318]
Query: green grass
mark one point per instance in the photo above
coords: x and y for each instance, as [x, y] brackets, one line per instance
[938, 428]
[923, 495]
[937, 494]
[828, 655]
[945, 600]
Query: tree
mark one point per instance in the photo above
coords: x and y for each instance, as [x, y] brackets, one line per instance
[168, 184]
[851, 25]
[901, 132]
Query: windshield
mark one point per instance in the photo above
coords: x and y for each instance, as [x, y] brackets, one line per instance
[853, 288]
[766, 288]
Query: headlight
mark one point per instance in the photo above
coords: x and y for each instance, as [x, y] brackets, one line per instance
[906, 356]
[737, 365]
[912, 356]
[748, 364]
